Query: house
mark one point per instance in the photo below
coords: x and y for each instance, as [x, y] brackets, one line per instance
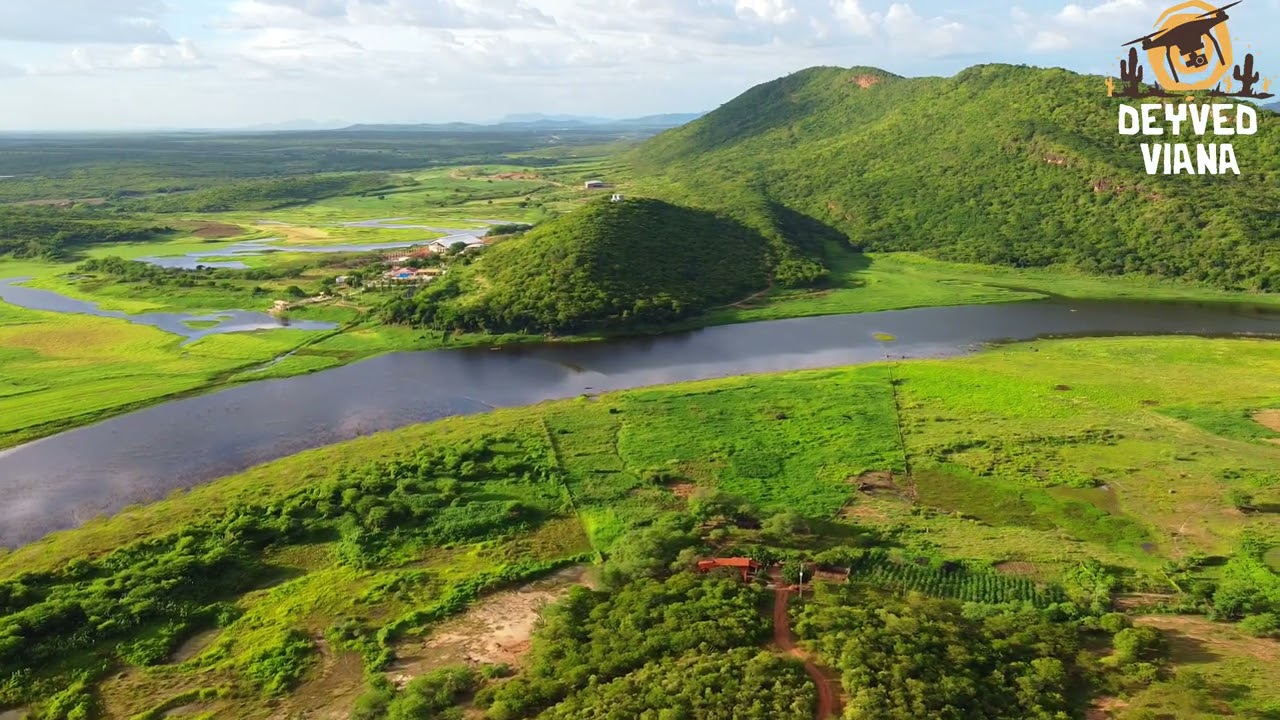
[616, 197]
[340, 280]
[593, 184]
[404, 274]
[743, 564]
[447, 243]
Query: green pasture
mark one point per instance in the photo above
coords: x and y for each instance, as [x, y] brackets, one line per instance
[63, 370]
[1042, 460]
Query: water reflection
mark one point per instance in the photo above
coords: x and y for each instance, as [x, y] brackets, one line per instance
[56, 482]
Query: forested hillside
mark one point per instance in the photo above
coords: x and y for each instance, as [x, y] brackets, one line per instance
[1000, 164]
[608, 265]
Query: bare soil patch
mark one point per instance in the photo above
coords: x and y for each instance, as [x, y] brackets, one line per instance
[193, 646]
[495, 630]
[866, 81]
[330, 692]
[1269, 419]
[683, 490]
[1018, 568]
[1194, 634]
[873, 479]
[216, 230]
[1134, 601]
[1105, 708]
[878, 483]
[299, 234]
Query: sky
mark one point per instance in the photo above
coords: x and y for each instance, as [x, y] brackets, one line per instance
[147, 64]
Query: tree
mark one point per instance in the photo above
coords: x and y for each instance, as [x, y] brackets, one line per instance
[785, 525]
[1138, 644]
[1264, 625]
[710, 503]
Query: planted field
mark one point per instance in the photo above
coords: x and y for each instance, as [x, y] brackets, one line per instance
[364, 547]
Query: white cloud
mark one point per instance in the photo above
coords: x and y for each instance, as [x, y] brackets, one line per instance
[1076, 26]
[251, 61]
[438, 14]
[770, 11]
[182, 55]
[73, 21]
[933, 37]
[851, 15]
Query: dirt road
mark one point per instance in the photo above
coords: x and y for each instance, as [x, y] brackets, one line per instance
[828, 707]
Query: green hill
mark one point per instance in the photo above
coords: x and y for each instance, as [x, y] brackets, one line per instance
[607, 265]
[1000, 164]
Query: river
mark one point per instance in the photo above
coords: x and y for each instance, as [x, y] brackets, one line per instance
[191, 326]
[64, 480]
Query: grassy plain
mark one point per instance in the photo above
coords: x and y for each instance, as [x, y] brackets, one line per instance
[896, 281]
[1036, 461]
[443, 197]
[64, 370]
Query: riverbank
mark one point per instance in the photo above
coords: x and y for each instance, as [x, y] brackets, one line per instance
[46, 391]
[1033, 457]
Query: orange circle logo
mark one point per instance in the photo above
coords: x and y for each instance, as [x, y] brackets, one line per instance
[1191, 50]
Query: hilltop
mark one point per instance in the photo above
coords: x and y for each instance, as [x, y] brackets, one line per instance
[607, 265]
[999, 164]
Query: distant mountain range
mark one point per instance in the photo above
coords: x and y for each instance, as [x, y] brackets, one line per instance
[535, 121]
[1273, 107]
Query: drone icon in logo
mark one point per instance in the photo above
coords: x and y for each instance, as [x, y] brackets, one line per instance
[1179, 53]
[1186, 33]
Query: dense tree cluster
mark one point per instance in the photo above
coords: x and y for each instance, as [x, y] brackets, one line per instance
[142, 599]
[609, 265]
[654, 638]
[913, 657]
[999, 164]
[740, 684]
[54, 233]
[265, 193]
[118, 269]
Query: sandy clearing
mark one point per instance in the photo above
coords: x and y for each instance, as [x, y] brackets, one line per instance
[1221, 638]
[495, 630]
[1269, 419]
[298, 234]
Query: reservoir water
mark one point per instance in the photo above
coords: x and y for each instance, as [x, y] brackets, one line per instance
[64, 480]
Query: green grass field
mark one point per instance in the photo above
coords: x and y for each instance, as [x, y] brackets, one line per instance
[449, 197]
[898, 281]
[1033, 462]
[64, 370]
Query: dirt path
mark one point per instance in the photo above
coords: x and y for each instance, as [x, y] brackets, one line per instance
[746, 301]
[785, 640]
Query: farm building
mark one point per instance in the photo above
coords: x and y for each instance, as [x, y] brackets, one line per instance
[746, 566]
[445, 244]
[593, 184]
[616, 197]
